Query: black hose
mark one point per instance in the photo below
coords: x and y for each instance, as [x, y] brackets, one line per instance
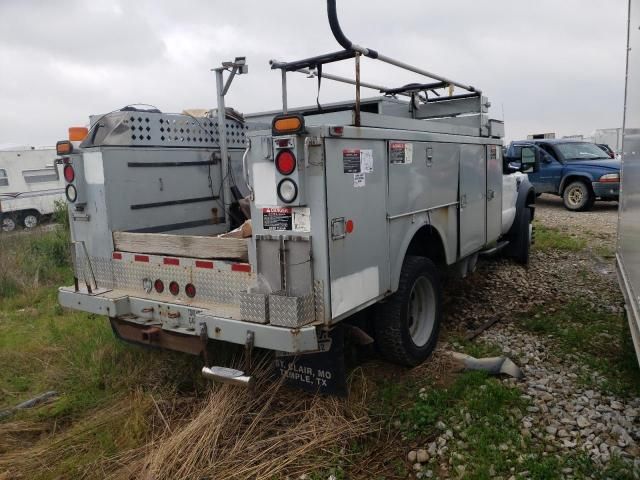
[339, 35]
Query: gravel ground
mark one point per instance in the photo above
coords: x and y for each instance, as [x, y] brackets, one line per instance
[564, 415]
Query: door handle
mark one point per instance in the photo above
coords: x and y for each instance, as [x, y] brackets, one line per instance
[490, 194]
[429, 156]
[463, 200]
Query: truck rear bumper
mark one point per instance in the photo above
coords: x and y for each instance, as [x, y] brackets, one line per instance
[187, 320]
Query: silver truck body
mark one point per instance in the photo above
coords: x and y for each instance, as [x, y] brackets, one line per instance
[351, 204]
[628, 251]
[449, 187]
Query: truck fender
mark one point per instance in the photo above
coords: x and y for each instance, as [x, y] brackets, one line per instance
[572, 176]
[526, 199]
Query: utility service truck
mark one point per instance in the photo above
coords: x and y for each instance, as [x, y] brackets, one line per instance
[628, 251]
[30, 186]
[351, 205]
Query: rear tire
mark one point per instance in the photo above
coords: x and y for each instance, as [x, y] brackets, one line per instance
[407, 325]
[8, 223]
[578, 197]
[30, 220]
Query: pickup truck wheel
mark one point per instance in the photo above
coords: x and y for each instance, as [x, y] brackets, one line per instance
[407, 325]
[8, 223]
[578, 197]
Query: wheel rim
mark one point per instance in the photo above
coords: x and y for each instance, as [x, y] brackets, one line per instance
[8, 225]
[30, 221]
[422, 311]
[576, 196]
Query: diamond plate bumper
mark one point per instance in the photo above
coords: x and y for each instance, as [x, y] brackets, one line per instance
[186, 319]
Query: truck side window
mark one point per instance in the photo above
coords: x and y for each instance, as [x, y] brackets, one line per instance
[4, 180]
[549, 151]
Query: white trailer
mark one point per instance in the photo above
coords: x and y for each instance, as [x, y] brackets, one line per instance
[628, 251]
[30, 185]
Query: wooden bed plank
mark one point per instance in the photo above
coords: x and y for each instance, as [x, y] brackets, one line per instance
[181, 245]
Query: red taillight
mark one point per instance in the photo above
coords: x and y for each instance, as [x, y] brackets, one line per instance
[286, 162]
[174, 288]
[159, 286]
[69, 173]
[190, 290]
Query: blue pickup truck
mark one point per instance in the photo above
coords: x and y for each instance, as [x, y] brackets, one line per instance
[580, 172]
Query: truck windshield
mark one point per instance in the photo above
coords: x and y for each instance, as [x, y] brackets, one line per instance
[581, 151]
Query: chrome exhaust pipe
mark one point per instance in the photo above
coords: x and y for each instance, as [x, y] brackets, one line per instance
[230, 376]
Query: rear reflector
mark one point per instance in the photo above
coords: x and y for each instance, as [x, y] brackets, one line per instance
[174, 288]
[203, 264]
[117, 256]
[171, 261]
[241, 267]
[141, 258]
[190, 290]
[159, 286]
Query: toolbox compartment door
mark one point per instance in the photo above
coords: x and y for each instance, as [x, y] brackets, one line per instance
[473, 184]
[357, 223]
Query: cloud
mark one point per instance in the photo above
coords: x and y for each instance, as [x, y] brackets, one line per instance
[551, 66]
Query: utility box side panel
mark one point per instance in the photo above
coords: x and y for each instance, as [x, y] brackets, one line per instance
[629, 219]
[473, 177]
[356, 173]
[422, 175]
[494, 193]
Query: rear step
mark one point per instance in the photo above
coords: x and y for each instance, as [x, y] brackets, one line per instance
[228, 375]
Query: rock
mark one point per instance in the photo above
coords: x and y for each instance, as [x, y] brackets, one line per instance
[441, 425]
[582, 422]
[616, 405]
[417, 467]
[412, 455]
[551, 430]
[422, 456]
[433, 448]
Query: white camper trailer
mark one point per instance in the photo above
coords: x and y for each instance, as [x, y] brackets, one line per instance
[30, 184]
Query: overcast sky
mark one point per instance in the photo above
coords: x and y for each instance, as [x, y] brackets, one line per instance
[550, 65]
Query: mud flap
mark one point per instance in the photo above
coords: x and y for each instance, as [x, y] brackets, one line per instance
[322, 372]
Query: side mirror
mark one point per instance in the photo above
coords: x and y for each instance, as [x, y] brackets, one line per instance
[529, 160]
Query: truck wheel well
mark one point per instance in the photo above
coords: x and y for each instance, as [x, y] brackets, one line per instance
[572, 178]
[427, 243]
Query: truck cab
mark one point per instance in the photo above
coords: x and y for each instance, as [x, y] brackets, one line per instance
[579, 172]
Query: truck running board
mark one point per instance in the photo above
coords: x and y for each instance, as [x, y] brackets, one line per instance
[228, 375]
[492, 251]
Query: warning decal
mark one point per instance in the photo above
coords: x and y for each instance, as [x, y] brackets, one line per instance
[351, 160]
[400, 153]
[493, 152]
[276, 218]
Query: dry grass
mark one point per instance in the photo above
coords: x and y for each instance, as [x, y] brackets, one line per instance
[260, 435]
[233, 433]
[119, 423]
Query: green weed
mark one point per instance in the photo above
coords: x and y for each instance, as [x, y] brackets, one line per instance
[552, 239]
[601, 339]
